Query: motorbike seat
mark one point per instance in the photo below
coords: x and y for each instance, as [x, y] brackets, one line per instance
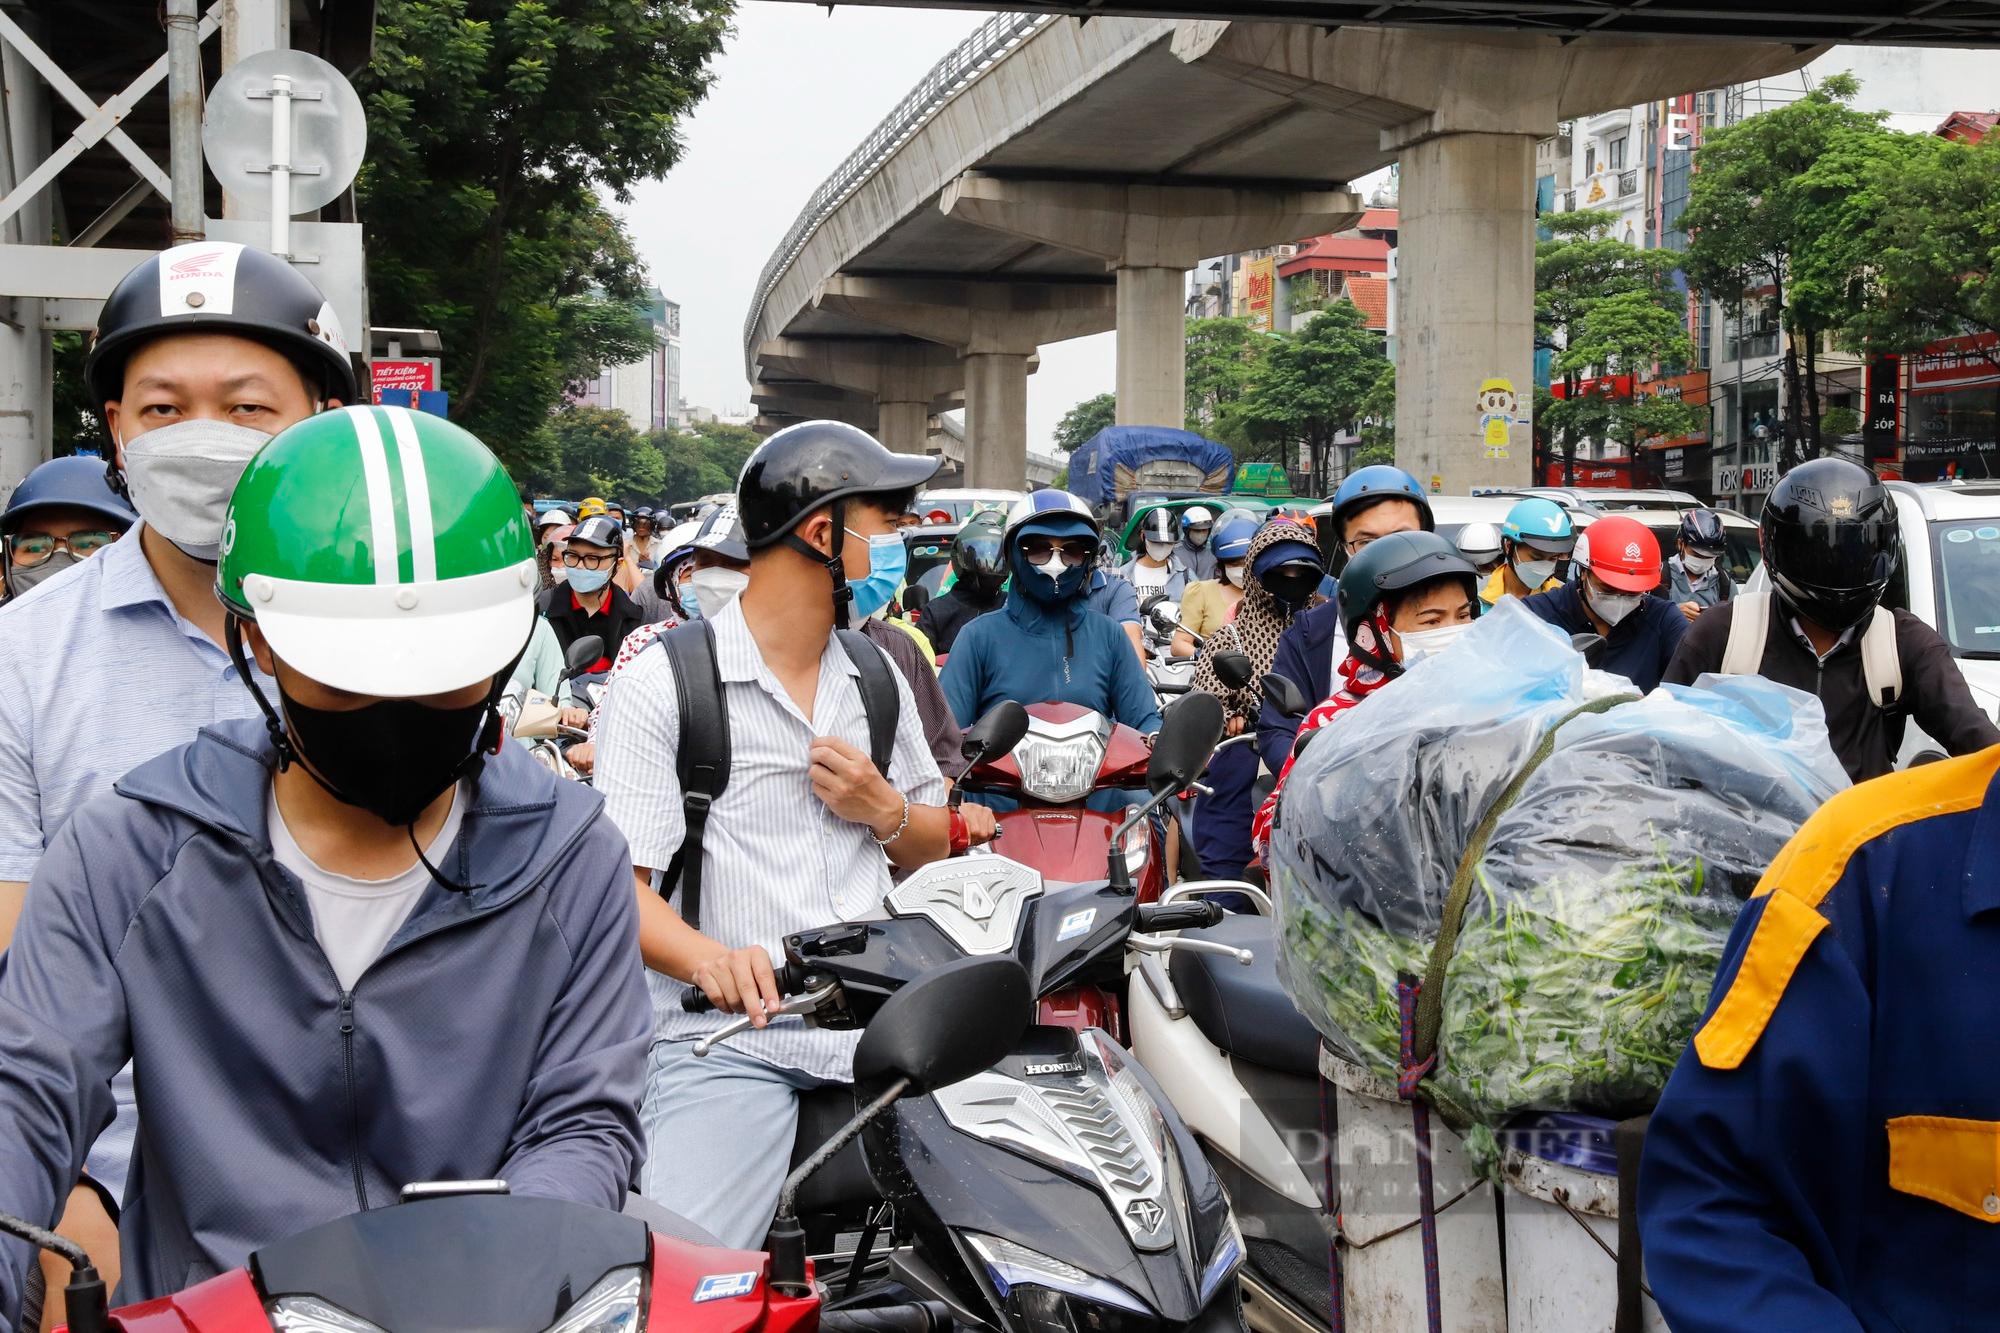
[843, 1183]
[1243, 1010]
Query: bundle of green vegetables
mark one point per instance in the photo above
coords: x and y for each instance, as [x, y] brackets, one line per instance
[1599, 902]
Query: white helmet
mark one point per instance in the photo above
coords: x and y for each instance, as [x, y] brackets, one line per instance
[1479, 543]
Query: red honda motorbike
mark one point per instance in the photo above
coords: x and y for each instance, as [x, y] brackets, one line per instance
[1067, 755]
[466, 1256]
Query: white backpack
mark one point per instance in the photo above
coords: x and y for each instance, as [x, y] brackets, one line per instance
[1750, 624]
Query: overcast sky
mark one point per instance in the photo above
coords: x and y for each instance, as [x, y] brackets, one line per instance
[795, 92]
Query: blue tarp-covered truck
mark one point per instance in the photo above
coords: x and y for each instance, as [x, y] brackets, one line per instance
[1158, 460]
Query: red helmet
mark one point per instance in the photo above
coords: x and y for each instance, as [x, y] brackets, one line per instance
[1624, 554]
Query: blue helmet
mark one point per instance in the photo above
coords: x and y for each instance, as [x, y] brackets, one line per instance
[1232, 539]
[76, 482]
[1051, 510]
[1540, 524]
[1370, 485]
[1702, 529]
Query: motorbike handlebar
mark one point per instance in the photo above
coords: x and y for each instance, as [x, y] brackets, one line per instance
[915, 1317]
[1188, 914]
[791, 980]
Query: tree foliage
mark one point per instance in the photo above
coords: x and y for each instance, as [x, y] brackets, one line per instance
[493, 127]
[1224, 358]
[704, 459]
[1933, 246]
[1313, 385]
[1776, 211]
[1085, 420]
[1607, 309]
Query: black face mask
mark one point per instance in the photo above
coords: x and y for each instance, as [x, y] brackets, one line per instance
[391, 758]
[1292, 587]
[986, 586]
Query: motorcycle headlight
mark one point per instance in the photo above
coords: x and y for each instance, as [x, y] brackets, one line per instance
[1009, 1265]
[612, 1306]
[309, 1314]
[1059, 760]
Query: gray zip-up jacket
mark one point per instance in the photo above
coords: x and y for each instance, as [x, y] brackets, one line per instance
[502, 1032]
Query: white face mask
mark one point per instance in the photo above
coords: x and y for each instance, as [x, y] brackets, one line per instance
[1429, 642]
[1697, 566]
[1613, 607]
[180, 478]
[1158, 550]
[1236, 574]
[1534, 573]
[715, 587]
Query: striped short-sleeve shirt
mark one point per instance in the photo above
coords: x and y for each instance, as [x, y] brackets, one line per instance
[775, 860]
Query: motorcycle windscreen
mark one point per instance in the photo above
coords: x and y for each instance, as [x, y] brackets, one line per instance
[492, 1263]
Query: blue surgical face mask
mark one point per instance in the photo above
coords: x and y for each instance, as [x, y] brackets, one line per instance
[888, 560]
[589, 580]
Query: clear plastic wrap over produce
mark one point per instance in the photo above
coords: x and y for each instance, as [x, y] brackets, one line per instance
[1598, 913]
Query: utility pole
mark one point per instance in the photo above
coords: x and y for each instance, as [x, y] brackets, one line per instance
[184, 119]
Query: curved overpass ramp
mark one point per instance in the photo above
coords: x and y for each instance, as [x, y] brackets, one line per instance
[1052, 178]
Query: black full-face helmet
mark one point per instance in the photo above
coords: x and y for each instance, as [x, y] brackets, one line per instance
[1829, 540]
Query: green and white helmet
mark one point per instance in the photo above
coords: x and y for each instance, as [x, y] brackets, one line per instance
[381, 551]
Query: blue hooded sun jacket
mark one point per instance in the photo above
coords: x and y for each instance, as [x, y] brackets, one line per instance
[503, 1032]
[1034, 653]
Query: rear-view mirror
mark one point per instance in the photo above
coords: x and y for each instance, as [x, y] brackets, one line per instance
[995, 734]
[1192, 729]
[1234, 669]
[947, 1025]
[1284, 695]
[915, 598]
[583, 654]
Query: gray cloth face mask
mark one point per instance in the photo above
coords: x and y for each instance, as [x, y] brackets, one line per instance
[180, 478]
[20, 579]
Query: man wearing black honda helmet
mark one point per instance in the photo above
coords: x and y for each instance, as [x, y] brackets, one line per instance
[201, 354]
[726, 858]
[1829, 542]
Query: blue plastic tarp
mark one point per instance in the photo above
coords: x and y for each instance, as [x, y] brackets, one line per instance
[1094, 468]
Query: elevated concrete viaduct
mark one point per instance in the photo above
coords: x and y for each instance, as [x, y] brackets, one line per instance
[1053, 178]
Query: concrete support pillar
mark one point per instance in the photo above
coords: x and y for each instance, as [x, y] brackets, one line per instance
[996, 419]
[1466, 284]
[1152, 347]
[1463, 110]
[995, 327]
[1151, 234]
[903, 376]
[906, 427]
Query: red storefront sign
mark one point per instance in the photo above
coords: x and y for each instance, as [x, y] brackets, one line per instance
[405, 376]
[1950, 362]
[1602, 473]
[1605, 386]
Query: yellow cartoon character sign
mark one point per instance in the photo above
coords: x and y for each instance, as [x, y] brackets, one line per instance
[1498, 409]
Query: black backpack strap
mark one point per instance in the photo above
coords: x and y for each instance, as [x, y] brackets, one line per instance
[702, 761]
[879, 699]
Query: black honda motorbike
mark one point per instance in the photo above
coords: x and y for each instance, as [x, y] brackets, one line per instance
[1056, 1191]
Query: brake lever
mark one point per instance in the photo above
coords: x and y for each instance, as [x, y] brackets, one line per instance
[1160, 944]
[808, 1003]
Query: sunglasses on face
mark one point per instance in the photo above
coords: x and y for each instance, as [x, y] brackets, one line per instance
[1037, 549]
[577, 560]
[29, 549]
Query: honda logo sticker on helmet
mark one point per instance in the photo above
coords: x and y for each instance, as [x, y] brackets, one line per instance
[199, 279]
